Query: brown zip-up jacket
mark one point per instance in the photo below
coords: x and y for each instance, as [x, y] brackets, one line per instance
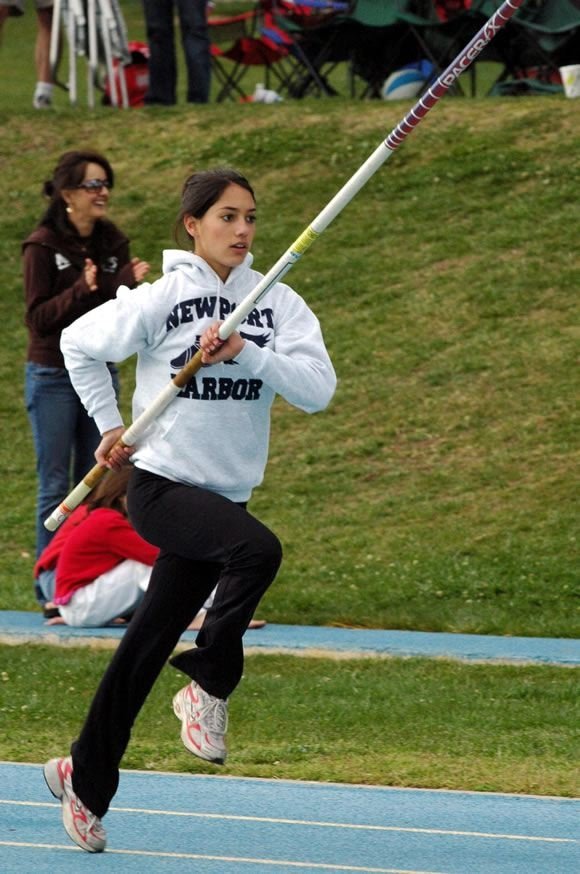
[55, 289]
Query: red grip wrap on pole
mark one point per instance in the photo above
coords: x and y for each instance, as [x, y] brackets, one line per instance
[452, 73]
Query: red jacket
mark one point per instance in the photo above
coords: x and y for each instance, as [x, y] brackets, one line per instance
[49, 556]
[90, 544]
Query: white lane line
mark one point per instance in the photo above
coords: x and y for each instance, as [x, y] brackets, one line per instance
[314, 823]
[276, 863]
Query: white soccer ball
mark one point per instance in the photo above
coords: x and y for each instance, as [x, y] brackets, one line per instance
[403, 84]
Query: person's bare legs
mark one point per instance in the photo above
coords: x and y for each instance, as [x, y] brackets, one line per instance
[43, 90]
[4, 13]
[42, 47]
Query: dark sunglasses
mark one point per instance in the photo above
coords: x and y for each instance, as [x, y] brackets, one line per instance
[95, 184]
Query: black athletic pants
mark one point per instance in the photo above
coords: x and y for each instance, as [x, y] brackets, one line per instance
[205, 540]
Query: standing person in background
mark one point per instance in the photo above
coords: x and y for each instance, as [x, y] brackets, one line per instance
[159, 21]
[194, 472]
[74, 260]
[42, 98]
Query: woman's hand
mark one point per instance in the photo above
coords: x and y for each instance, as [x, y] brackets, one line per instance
[140, 269]
[215, 350]
[90, 271]
[112, 456]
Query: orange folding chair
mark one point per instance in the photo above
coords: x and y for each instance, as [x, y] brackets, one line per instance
[248, 40]
[226, 34]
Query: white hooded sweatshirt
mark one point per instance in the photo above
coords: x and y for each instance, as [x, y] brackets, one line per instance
[215, 432]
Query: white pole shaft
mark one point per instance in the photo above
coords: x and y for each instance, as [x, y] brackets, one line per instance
[64, 510]
[142, 422]
[105, 22]
[93, 53]
[55, 38]
[123, 84]
[81, 27]
[72, 58]
[372, 164]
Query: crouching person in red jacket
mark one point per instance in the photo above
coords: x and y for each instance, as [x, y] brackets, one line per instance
[102, 565]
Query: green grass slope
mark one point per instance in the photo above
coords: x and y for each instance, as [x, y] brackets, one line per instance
[425, 722]
[438, 492]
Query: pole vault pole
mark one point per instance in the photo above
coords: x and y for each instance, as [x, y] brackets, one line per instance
[442, 84]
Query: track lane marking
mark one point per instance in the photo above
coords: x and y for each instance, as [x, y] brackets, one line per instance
[277, 863]
[317, 824]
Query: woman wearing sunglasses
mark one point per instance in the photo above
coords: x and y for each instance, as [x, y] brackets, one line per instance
[74, 260]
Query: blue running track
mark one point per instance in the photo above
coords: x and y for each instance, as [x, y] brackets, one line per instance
[20, 626]
[224, 825]
[170, 823]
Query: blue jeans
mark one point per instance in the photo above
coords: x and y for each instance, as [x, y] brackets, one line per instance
[161, 40]
[45, 586]
[65, 438]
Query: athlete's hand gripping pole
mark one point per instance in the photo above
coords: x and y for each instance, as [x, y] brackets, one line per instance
[129, 438]
[442, 84]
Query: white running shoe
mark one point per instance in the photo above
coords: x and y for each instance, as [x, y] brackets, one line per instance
[204, 722]
[42, 101]
[82, 826]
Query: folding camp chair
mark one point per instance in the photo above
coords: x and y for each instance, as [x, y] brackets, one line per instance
[306, 7]
[380, 43]
[292, 24]
[311, 13]
[546, 35]
[226, 34]
[448, 9]
[96, 31]
[541, 37]
[440, 30]
[251, 40]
